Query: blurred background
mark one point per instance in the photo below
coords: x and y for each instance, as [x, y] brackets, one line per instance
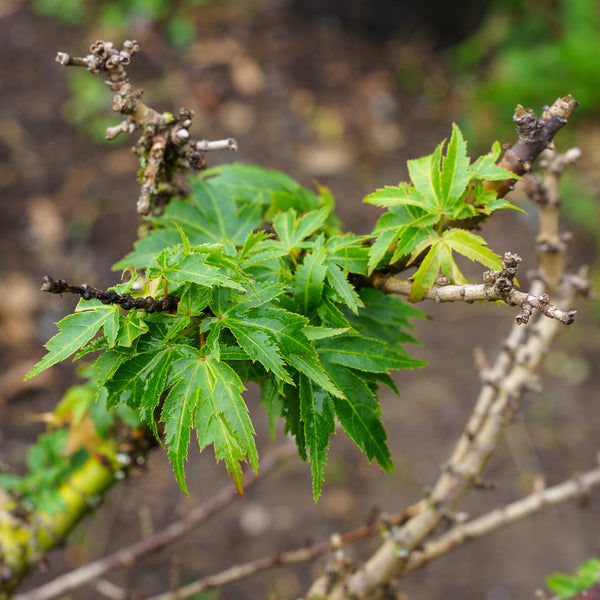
[343, 93]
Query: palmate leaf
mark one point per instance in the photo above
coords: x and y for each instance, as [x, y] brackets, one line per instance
[439, 256]
[192, 268]
[258, 344]
[399, 230]
[211, 214]
[387, 230]
[293, 230]
[312, 368]
[140, 379]
[132, 326]
[403, 195]
[567, 586]
[206, 394]
[456, 173]
[472, 246]
[364, 354]
[251, 183]
[75, 331]
[384, 317]
[425, 175]
[349, 252]
[485, 167]
[443, 188]
[339, 282]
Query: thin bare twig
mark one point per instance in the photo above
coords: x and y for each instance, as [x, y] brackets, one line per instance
[125, 557]
[498, 287]
[238, 572]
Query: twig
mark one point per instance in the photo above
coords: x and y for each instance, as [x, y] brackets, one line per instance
[544, 191]
[126, 301]
[238, 572]
[501, 517]
[125, 557]
[499, 286]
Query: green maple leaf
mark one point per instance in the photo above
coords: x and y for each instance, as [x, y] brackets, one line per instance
[139, 379]
[293, 230]
[349, 252]
[359, 414]
[384, 317]
[439, 256]
[339, 282]
[76, 330]
[258, 343]
[566, 586]
[132, 327]
[206, 394]
[456, 172]
[211, 214]
[251, 183]
[364, 354]
[485, 167]
[194, 268]
[400, 229]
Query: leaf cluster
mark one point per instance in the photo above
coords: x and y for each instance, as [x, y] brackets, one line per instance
[427, 220]
[264, 278]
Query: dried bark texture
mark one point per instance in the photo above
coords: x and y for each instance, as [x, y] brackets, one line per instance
[165, 147]
[535, 135]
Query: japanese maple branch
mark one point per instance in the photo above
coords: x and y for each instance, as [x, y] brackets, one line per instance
[505, 384]
[125, 301]
[165, 147]
[125, 557]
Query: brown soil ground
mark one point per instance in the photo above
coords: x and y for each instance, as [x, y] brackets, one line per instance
[317, 100]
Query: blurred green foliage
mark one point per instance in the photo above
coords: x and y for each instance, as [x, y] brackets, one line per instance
[176, 17]
[87, 107]
[63, 449]
[531, 51]
[566, 586]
